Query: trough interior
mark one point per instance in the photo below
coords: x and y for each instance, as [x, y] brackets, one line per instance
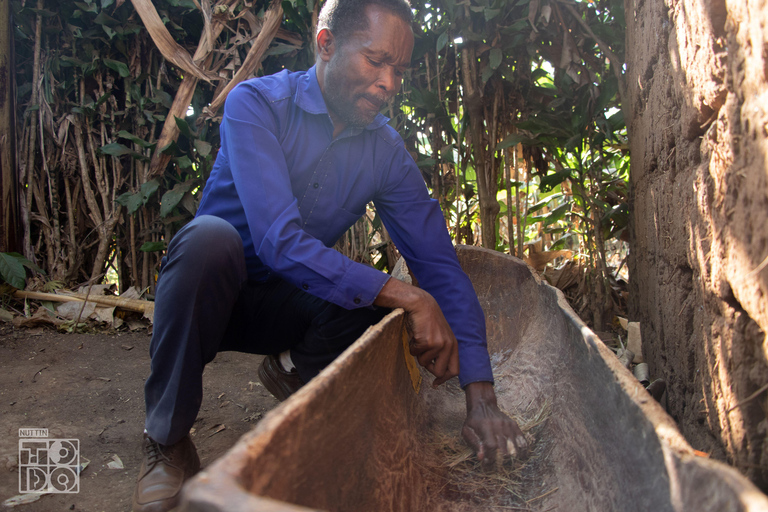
[360, 437]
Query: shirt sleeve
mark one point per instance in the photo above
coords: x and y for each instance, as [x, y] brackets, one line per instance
[417, 226]
[261, 178]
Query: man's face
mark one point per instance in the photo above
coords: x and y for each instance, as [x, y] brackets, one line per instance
[365, 71]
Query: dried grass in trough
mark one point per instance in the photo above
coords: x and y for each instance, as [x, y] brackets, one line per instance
[503, 485]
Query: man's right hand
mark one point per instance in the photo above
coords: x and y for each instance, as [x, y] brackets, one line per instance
[433, 344]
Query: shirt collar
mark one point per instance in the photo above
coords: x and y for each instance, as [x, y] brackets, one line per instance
[309, 98]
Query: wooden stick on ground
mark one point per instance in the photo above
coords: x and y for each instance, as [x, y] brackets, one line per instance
[139, 306]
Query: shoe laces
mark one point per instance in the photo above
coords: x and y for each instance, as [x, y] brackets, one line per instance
[154, 453]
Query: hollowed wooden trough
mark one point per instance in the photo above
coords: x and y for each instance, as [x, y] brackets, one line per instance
[360, 438]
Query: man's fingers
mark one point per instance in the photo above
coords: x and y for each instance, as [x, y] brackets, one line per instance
[451, 371]
[517, 438]
[441, 365]
[473, 440]
[453, 363]
[511, 449]
[426, 358]
[503, 446]
[523, 450]
[441, 380]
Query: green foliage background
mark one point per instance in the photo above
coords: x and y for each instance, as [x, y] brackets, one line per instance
[511, 110]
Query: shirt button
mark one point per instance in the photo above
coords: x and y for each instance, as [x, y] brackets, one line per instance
[305, 286]
[356, 300]
[316, 185]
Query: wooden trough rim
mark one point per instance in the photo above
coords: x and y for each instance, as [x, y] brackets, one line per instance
[221, 486]
[222, 481]
[672, 442]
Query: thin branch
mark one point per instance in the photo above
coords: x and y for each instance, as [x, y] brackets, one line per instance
[616, 63]
[749, 398]
[272, 20]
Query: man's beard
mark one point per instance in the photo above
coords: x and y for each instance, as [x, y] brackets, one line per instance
[346, 108]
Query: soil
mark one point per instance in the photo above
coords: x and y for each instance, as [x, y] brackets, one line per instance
[90, 387]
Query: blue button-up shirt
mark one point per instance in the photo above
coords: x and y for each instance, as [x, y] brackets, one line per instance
[291, 190]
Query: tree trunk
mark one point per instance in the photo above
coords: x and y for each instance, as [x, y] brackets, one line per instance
[10, 220]
[486, 187]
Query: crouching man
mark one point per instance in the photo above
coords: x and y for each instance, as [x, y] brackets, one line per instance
[302, 154]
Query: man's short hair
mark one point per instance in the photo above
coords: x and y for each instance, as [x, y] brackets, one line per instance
[345, 17]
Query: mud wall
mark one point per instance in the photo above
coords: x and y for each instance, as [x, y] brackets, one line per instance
[697, 74]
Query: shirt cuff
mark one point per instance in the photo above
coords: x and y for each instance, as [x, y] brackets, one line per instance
[359, 287]
[474, 365]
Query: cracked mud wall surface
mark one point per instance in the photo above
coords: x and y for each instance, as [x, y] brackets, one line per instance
[697, 81]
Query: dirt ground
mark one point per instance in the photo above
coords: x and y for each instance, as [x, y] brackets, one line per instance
[90, 387]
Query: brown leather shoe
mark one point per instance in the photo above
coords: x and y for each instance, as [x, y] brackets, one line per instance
[163, 471]
[279, 382]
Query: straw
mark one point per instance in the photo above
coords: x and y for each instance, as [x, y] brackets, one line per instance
[499, 487]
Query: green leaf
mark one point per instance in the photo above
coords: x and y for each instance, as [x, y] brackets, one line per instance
[487, 73]
[188, 203]
[152, 247]
[427, 162]
[170, 149]
[556, 214]
[130, 201]
[117, 66]
[447, 154]
[203, 148]
[563, 241]
[12, 271]
[136, 140]
[109, 31]
[24, 261]
[184, 162]
[549, 181]
[617, 120]
[184, 127]
[442, 40]
[450, 8]
[163, 98]
[105, 19]
[494, 59]
[102, 99]
[491, 13]
[538, 206]
[116, 149]
[510, 140]
[73, 60]
[134, 201]
[538, 73]
[87, 7]
[172, 198]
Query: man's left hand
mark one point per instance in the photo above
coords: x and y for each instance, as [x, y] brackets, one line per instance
[490, 432]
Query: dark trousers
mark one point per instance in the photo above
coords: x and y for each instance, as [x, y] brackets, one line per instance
[205, 304]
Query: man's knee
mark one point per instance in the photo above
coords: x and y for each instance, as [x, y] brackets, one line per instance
[208, 242]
